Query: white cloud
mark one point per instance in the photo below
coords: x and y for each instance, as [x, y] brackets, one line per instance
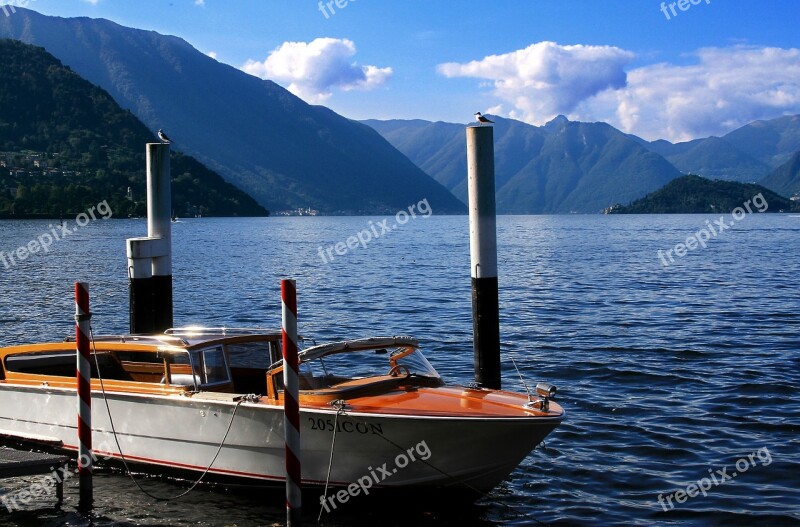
[726, 88]
[496, 110]
[723, 89]
[212, 54]
[200, 2]
[311, 70]
[546, 79]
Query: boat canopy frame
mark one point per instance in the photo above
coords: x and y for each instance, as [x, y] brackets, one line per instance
[345, 346]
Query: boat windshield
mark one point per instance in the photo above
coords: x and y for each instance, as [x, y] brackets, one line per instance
[336, 368]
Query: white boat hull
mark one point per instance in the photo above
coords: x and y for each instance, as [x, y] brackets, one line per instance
[185, 433]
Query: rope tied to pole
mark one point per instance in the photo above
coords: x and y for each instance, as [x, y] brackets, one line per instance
[340, 405]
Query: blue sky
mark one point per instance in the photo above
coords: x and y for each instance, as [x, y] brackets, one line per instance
[660, 73]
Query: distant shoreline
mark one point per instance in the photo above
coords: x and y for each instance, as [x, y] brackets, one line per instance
[69, 216]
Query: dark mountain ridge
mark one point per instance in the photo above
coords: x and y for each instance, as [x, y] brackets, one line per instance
[66, 145]
[696, 195]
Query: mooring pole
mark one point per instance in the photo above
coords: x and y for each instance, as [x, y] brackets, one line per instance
[84, 380]
[291, 405]
[159, 226]
[140, 293]
[483, 256]
[150, 258]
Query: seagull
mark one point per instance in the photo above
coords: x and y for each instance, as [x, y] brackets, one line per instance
[163, 136]
[482, 119]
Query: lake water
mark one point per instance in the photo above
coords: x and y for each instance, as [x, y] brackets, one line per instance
[669, 374]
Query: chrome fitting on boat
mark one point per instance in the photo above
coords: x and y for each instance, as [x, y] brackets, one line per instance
[340, 405]
[545, 392]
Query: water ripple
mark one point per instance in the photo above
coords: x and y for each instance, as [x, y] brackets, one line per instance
[667, 374]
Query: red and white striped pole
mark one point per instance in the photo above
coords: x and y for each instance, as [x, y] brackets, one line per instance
[84, 374]
[291, 406]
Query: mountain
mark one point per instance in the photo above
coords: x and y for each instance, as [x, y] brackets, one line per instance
[786, 178]
[712, 157]
[746, 154]
[561, 167]
[65, 145]
[696, 195]
[437, 148]
[283, 152]
[772, 142]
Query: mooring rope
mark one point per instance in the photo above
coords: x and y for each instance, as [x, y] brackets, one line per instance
[116, 439]
[340, 405]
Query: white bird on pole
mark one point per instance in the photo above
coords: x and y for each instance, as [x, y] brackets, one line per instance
[482, 119]
[163, 136]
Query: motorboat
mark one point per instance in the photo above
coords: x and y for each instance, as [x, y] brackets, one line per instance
[210, 401]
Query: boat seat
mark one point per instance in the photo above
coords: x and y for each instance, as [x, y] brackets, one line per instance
[357, 387]
[182, 379]
[306, 381]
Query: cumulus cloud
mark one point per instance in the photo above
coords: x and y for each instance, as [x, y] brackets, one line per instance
[546, 79]
[722, 89]
[311, 70]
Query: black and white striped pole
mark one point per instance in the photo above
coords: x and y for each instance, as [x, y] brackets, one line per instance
[150, 258]
[483, 255]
